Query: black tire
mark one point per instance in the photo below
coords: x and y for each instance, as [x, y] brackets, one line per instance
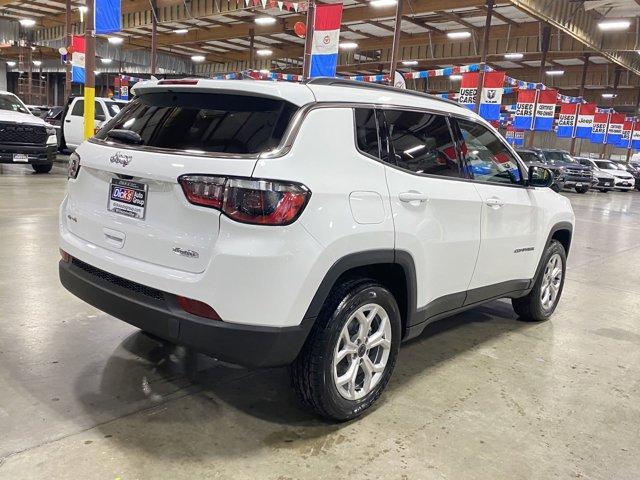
[530, 308]
[312, 371]
[604, 190]
[42, 167]
[582, 189]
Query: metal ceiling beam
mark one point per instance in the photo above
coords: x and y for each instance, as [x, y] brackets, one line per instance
[581, 25]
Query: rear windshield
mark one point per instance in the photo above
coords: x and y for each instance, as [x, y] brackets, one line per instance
[208, 122]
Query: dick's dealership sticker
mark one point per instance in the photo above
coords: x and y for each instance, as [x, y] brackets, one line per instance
[127, 198]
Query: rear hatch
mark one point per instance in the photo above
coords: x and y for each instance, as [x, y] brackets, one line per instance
[127, 198]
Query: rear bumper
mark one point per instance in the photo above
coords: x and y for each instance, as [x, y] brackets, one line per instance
[36, 154]
[158, 313]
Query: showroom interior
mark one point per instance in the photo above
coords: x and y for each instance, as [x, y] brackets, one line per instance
[486, 391]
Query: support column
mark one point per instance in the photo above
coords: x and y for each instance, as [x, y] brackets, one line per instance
[485, 51]
[252, 49]
[154, 36]
[395, 47]
[545, 43]
[89, 71]
[583, 82]
[67, 26]
[637, 126]
[616, 84]
[308, 41]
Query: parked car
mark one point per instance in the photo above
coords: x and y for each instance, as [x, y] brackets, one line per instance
[629, 168]
[73, 119]
[603, 181]
[38, 110]
[534, 158]
[25, 138]
[622, 180]
[576, 175]
[267, 224]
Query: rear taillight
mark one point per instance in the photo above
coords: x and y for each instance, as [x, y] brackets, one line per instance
[196, 307]
[74, 165]
[259, 202]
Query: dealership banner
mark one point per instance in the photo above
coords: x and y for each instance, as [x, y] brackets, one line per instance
[600, 126]
[614, 131]
[524, 109]
[635, 136]
[107, 16]
[627, 131]
[491, 97]
[468, 89]
[77, 59]
[585, 120]
[326, 37]
[567, 120]
[545, 110]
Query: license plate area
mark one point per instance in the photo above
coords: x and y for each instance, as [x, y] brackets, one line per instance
[128, 198]
[20, 157]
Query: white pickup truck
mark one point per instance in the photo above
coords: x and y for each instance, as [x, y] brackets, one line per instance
[73, 121]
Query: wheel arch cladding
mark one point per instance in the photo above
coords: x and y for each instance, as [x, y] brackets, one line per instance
[563, 234]
[394, 270]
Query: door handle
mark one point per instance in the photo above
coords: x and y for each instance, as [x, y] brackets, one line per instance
[413, 196]
[67, 121]
[494, 202]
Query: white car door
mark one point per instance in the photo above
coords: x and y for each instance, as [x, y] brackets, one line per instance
[74, 123]
[436, 211]
[511, 217]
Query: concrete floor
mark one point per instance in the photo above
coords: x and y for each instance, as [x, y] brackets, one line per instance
[477, 396]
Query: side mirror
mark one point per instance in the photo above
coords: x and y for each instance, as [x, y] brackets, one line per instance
[540, 177]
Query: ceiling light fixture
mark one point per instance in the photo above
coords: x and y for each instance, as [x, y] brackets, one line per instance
[383, 3]
[459, 34]
[609, 95]
[409, 63]
[264, 52]
[513, 56]
[555, 73]
[198, 58]
[11, 63]
[115, 40]
[106, 61]
[348, 45]
[27, 22]
[611, 25]
[455, 78]
[181, 31]
[264, 20]
[37, 63]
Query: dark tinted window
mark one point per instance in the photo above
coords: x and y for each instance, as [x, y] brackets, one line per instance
[367, 131]
[487, 156]
[529, 157]
[422, 143]
[206, 122]
[78, 108]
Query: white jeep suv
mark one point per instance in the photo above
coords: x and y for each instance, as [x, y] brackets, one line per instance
[316, 224]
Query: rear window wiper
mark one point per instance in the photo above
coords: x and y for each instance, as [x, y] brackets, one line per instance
[125, 136]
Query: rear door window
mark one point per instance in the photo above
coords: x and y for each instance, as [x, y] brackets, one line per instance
[422, 143]
[205, 122]
[367, 136]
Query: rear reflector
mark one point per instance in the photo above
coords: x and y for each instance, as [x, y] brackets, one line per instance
[198, 308]
[66, 258]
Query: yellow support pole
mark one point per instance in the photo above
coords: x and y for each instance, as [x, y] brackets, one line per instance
[89, 75]
[89, 111]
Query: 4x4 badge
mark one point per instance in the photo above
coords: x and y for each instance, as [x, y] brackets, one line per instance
[121, 159]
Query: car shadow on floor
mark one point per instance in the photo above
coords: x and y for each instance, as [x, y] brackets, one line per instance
[213, 408]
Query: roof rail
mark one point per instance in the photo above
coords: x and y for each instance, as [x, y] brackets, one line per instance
[343, 82]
